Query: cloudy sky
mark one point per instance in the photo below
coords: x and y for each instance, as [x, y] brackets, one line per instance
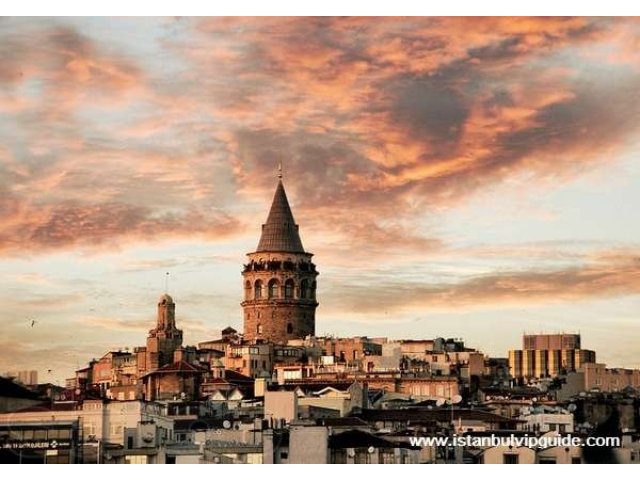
[473, 178]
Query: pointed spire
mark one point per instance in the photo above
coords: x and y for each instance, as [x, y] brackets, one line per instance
[280, 232]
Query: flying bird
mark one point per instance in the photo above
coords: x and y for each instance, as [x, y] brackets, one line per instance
[33, 322]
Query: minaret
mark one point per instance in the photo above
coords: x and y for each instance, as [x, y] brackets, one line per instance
[163, 340]
[279, 280]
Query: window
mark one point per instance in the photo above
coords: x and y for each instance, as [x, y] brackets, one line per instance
[258, 290]
[90, 429]
[362, 456]
[247, 290]
[273, 288]
[139, 459]
[259, 329]
[289, 328]
[578, 461]
[547, 461]
[313, 290]
[304, 288]
[288, 289]
[510, 459]
[387, 456]
[62, 434]
[284, 455]
[339, 457]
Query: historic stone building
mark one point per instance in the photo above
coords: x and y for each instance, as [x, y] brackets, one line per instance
[279, 280]
[163, 340]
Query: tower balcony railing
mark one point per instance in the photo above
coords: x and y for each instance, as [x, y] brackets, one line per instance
[280, 301]
[280, 266]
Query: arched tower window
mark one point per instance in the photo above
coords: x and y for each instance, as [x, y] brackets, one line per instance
[289, 328]
[258, 290]
[273, 288]
[313, 290]
[247, 290]
[288, 289]
[304, 288]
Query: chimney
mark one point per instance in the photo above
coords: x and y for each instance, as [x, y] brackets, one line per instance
[179, 355]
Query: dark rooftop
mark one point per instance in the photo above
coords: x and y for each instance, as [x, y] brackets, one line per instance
[415, 415]
[342, 422]
[9, 388]
[280, 232]
[358, 438]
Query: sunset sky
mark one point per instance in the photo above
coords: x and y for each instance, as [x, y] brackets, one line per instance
[457, 177]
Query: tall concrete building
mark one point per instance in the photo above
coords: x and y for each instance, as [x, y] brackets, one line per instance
[25, 377]
[544, 356]
[279, 280]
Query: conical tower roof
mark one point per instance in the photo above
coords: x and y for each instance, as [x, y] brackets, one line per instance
[280, 233]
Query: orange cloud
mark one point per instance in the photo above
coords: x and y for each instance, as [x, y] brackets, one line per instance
[384, 117]
[39, 228]
[615, 277]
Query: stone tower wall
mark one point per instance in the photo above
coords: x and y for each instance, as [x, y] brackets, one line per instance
[285, 306]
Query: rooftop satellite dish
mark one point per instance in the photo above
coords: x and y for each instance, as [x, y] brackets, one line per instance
[440, 402]
[456, 399]
[226, 424]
